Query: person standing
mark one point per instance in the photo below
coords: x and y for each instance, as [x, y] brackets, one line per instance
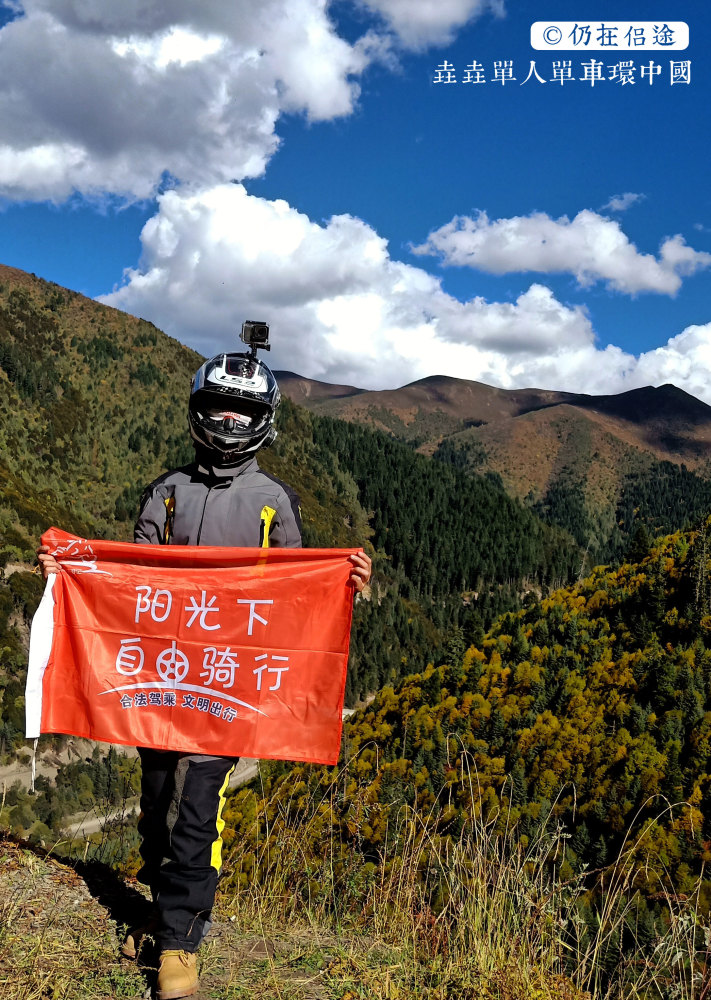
[221, 498]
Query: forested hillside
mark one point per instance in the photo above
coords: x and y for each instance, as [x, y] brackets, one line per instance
[450, 533]
[587, 713]
[585, 479]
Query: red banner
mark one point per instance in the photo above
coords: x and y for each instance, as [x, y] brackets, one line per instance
[231, 651]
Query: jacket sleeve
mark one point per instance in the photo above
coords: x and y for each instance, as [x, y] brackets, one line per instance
[286, 527]
[150, 526]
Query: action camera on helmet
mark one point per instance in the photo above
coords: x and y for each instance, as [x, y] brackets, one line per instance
[256, 335]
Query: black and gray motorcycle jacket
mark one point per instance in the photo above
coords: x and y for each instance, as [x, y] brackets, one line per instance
[206, 505]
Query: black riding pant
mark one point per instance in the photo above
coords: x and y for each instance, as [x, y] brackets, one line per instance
[182, 796]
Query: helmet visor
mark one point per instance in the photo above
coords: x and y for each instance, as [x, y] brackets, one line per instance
[231, 418]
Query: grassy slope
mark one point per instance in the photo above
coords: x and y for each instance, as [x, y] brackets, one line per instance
[60, 927]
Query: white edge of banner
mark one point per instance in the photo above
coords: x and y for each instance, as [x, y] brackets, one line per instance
[41, 636]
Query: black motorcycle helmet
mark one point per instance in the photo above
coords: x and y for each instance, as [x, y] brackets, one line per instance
[233, 401]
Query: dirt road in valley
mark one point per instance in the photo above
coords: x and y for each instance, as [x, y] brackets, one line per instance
[94, 821]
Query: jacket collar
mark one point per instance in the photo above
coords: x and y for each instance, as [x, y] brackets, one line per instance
[248, 464]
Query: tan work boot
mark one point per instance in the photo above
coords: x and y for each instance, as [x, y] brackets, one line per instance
[136, 938]
[177, 975]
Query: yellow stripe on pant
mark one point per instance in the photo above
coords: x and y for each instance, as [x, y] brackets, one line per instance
[216, 855]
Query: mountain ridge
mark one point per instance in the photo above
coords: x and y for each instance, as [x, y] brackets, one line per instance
[588, 463]
[451, 395]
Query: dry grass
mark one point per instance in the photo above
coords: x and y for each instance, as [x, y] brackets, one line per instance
[478, 917]
[56, 943]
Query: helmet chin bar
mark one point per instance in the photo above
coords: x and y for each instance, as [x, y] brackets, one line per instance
[219, 459]
[224, 455]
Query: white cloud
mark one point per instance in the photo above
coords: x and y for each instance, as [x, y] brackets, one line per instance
[430, 22]
[340, 306]
[591, 247]
[342, 310]
[685, 361]
[177, 45]
[621, 202]
[112, 97]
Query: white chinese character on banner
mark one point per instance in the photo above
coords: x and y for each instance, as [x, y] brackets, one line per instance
[474, 73]
[85, 561]
[651, 70]
[533, 72]
[129, 660]
[272, 670]
[253, 614]
[562, 71]
[203, 609]
[219, 666]
[622, 71]
[159, 606]
[592, 72]
[503, 71]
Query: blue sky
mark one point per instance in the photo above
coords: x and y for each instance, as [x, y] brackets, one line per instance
[298, 163]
